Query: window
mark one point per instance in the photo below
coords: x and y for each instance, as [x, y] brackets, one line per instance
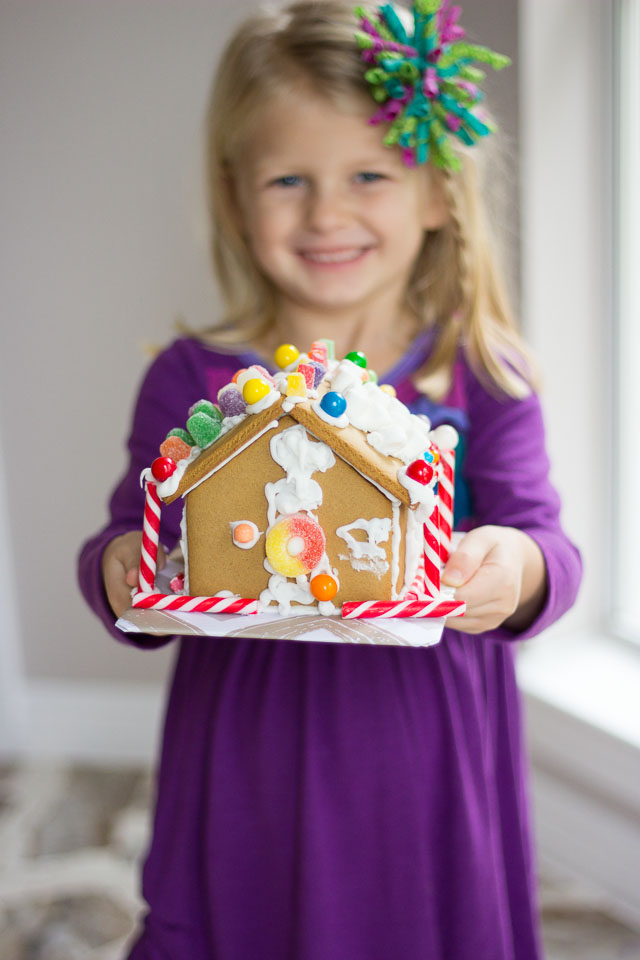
[626, 567]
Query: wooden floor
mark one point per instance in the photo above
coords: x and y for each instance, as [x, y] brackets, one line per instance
[70, 842]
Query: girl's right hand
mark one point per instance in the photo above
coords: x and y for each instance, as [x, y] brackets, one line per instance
[120, 565]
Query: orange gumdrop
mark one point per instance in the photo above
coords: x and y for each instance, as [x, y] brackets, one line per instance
[175, 448]
[323, 587]
[243, 533]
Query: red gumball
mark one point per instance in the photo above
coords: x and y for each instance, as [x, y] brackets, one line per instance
[420, 471]
[162, 468]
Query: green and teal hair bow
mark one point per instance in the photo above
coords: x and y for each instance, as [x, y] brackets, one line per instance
[426, 83]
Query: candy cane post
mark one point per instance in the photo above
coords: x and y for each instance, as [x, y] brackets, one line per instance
[431, 547]
[445, 500]
[391, 609]
[150, 538]
[164, 601]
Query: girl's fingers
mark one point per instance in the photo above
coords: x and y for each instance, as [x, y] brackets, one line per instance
[468, 558]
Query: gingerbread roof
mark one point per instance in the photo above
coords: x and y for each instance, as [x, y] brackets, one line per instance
[349, 443]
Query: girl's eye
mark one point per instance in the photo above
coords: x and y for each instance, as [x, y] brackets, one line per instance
[289, 181]
[367, 176]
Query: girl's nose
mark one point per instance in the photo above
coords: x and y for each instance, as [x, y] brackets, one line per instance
[327, 209]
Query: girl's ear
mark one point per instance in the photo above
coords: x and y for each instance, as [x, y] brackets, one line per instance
[436, 209]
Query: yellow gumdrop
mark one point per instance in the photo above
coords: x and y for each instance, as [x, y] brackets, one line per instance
[255, 390]
[286, 354]
[387, 388]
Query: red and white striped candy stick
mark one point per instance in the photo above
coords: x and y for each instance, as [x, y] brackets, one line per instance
[167, 601]
[392, 609]
[150, 538]
[431, 547]
[445, 500]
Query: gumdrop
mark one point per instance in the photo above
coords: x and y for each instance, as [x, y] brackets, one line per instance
[320, 370]
[231, 401]
[318, 351]
[176, 448]
[308, 372]
[205, 406]
[203, 429]
[296, 386]
[182, 434]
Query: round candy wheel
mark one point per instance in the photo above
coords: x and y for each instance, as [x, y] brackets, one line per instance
[295, 545]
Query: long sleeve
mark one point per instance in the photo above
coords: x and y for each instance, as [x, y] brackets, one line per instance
[179, 376]
[507, 470]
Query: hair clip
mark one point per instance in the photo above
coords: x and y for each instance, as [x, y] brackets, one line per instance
[426, 83]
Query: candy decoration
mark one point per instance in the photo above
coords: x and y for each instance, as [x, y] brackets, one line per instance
[166, 601]
[203, 429]
[388, 609]
[357, 357]
[323, 587]
[319, 371]
[162, 468]
[254, 390]
[431, 548]
[318, 351]
[285, 355]
[234, 378]
[421, 471]
[296, 385]
[244, 533]
[309, 373]
[446, 486]
[331, 347]
[150, 538]
[388, 389]
[432, 455]
[182, 434]
[205, 406]
[231, 401]
[333, 404]
[175, 448]
[177, 583]
[295, 545]
[373, 376]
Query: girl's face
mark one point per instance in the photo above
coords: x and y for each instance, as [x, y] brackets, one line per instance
[333, 217]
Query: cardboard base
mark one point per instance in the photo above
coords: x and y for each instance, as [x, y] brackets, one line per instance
[269, 626]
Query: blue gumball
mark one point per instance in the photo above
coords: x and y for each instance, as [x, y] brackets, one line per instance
[333, 404]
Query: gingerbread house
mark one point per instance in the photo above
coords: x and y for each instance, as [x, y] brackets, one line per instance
[322, 494]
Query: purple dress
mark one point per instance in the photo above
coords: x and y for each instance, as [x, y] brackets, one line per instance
[328, 802]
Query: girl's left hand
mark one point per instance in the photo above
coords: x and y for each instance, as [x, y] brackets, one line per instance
[501, 574]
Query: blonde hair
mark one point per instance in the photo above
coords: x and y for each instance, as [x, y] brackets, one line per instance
[455, 286]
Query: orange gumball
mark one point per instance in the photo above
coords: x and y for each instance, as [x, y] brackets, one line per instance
[323, 587]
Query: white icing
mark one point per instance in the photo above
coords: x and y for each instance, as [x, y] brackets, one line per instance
[184, 541]
[367, 554]
[289, 403]
[228, 423]
[341, 421]
[252, 373]
[396, 538]
[299, 456]
[421, 493]
[250, 543]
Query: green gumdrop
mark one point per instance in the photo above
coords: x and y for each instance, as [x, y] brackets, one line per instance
[182, 434]
[205, 406]
[203, 428]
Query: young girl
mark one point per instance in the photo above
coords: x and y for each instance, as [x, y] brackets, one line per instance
[327, 801]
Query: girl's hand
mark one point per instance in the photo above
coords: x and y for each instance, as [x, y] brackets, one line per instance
[501, 574]
[120, 565]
